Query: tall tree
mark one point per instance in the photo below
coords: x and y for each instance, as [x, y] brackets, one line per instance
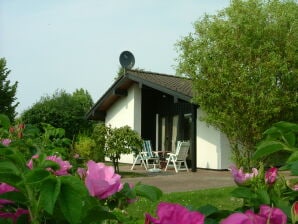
[62, 110]
[244, 62]
[7, 92]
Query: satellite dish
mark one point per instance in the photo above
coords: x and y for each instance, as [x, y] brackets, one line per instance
[127, 60]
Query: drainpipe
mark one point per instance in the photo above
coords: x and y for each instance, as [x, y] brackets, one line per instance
[193, 137]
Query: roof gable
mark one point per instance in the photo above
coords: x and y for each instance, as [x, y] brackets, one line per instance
[173, 85]
[176, 86]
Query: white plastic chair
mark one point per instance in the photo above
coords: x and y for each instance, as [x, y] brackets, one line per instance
[145, 155]
[179, 157]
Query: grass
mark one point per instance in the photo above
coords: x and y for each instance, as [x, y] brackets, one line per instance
[219, 198]
[127, 174]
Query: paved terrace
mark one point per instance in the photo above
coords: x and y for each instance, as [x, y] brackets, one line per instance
[170, 181]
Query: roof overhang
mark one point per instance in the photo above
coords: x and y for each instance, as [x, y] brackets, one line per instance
[117, 90]
[159, 87]
[120, 88]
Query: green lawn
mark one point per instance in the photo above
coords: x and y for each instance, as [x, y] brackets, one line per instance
[219, 198]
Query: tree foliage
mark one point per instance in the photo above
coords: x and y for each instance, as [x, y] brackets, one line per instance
[119, 141]
[99, 136]
[7, 92]
[84, 147]
[62, 110]
[243, 62]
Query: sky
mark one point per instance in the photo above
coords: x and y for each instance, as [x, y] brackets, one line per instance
[54, 45]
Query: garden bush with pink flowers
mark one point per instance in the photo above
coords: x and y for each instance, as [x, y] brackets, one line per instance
[37, 186]
[268, 197]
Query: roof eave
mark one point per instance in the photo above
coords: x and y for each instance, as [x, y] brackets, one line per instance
[105, 96]
[159, 87]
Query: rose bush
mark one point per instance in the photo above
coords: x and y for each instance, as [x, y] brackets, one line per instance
[266, 215]
[169, 213]
[240, 177]
[42, 193]
[44, 189]
[266, 194]
[101, 181]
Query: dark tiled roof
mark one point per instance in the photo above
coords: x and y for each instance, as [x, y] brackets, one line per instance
[176, 86]
[174, 83]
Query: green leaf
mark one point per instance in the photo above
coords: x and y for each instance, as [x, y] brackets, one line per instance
[290, 138]
[50, 190]
[127, 192]
[50, 164]
[9, 153]
[287, 126]
[272, 131]
[294, 168]
[36, 175]
[4, 121]
[293, 157]
[97, 215]
[11, 179]
[150, 192]
[71, 198]
[285, 167]
[23, 219]
[6, 166]
[15, 196]
[208, 209]
[263, 197]
[242, 192]
[268, 147]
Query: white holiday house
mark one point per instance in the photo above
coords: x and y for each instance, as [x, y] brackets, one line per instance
[159, 107]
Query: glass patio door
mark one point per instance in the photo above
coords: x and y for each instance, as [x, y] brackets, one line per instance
[168, 132]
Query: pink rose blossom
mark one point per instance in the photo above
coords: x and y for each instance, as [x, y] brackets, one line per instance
[64, 165]
[266, 215]
[170, 213]
[295, 187]
[30, 163]
[81, 172]
[4, 188]
[295, 212]
[6, 141]
[271, 175]
[131, 200]
[240, 177]
[101, 181]
[273, 215]
[293, 184]
[248, 218]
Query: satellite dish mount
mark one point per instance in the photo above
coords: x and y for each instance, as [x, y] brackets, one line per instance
[127, 60]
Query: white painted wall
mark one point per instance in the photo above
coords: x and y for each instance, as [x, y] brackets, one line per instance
[213, 150]
[226, 152]
[126, 111]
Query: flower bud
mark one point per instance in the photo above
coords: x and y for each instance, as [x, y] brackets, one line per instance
[271, 175]
[6, 141]
[295, 212]
[240, 177]
[11, 129]
[21, 126]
